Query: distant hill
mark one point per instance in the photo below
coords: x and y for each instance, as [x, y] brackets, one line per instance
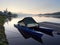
[55, 13]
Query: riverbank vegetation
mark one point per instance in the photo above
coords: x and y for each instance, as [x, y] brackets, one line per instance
[3, 40]
[3, 16]
[7, 13]
[2, 19]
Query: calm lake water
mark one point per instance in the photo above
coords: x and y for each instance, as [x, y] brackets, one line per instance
[16, 38]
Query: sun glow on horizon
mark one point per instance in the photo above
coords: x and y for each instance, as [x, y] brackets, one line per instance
[30, 6]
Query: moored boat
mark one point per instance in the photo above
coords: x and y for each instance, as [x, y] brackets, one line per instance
[29, 31]
[32, 24]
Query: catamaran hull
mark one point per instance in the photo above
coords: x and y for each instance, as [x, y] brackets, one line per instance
[29, 31]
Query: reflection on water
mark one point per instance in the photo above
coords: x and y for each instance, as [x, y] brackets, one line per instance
[27, 36]
[46, 19]
[16, 38]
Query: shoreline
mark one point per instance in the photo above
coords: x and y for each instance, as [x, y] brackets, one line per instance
[3, 39]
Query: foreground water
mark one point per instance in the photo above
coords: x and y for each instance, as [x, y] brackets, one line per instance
[16, 38]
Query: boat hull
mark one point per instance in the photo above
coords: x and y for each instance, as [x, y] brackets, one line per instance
[29, 31]
[44, 30]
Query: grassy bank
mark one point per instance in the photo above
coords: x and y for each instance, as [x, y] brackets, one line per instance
[2, 19]
[3, 40]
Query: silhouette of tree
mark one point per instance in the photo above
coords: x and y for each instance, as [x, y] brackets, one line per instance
[9, 13]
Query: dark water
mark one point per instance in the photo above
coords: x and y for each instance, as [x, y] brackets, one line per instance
[16, 37]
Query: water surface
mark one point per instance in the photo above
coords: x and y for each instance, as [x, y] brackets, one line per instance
[16, 38]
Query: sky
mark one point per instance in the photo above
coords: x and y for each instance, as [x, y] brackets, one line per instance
[30, 6]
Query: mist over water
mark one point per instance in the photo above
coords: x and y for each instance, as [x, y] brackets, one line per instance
[16, 38]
